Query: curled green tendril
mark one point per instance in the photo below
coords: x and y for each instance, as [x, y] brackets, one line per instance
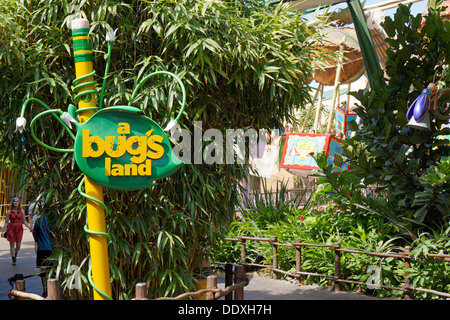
[95, 233]
[183, 90]
[92, 198]
[48, 111]
[94, 286]
[77, 87]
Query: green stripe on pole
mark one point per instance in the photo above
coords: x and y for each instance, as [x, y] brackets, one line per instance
[369, 53]
[80, 32]
[83, 57]
[82, 44]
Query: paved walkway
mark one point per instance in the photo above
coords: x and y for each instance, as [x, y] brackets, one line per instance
[259, 288]
[26, 265]
[264, 288]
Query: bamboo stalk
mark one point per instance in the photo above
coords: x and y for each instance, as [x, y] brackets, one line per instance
[312, 274]
[255, 239]
[295, 244]
[442, 294]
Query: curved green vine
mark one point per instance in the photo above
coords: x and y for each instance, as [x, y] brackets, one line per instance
[33, 134]
[91, 281]
[183, 90]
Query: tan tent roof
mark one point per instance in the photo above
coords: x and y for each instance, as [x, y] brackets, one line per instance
[352, 65]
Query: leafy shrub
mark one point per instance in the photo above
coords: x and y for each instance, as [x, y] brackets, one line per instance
[407, 170]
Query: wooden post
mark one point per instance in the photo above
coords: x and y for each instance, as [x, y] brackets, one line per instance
[20, 286]
[310, 109]
[141, 291]
[336, 91]
[337, 266]
[347, 109]
[243, 251]
[229, 279]
[275, 257]
[239, 277]
[53, 289]
[298, 260]
[407, 266]
[319, 107]
[211, 283]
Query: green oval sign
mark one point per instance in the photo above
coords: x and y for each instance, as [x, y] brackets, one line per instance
[120, 148]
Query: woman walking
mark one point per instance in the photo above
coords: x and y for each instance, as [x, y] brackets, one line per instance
[15, 217]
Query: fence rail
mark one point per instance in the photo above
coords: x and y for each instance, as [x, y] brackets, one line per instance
[240, 279]
[336, 278]
[212, 291]
[18, 293]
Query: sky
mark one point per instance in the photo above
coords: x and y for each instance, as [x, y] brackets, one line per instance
[416, 8]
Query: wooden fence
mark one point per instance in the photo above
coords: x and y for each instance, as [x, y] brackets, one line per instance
[212, 291]
[406, 287]
[241, 280]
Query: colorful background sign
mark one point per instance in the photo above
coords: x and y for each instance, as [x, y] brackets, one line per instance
[298, 146]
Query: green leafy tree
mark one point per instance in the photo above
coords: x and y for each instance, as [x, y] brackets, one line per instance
[406, 166]
[241, 68]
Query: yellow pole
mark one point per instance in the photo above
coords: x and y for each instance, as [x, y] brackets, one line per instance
[95, 212]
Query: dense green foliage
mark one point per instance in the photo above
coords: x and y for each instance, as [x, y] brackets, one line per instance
[399, 160]
[359, 230]
[241, 68]
[397, 189]
[351, 216]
